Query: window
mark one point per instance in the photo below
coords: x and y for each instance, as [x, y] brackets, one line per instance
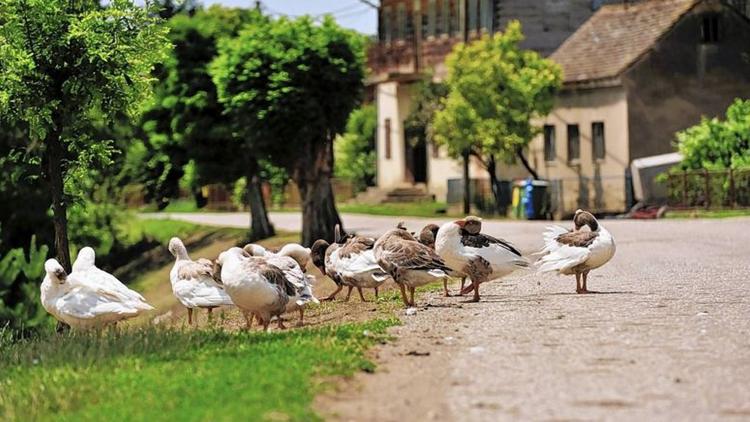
[574, 143]
[549, 143]
[401, 22]
[485, 13]
[455, 24]
[431, 18]
[387, 139]
[710, 29]
[597, 141]
[473, 15]
[387, 19]
[445, 17]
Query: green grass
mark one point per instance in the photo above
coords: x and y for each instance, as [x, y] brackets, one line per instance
[702, 213]
[168, 374]
[163, 230]
[411, 209]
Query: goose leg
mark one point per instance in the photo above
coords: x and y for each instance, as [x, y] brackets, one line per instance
[585, 277]
[403, 294]
[349, 293]
[190, 316]
[265, 322]
[411, 292]
[361, 296]
[579, 289]
[376, 293]
[281, 323]
[475, 284]
[332, 295]
[445, 287]
[248, 319]
[463, 283]
[210, 313]
[301, 321]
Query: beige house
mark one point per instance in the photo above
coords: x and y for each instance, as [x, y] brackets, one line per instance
[634, 75]
[634, 72]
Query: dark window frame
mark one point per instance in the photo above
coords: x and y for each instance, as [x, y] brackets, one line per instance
[550, 154]
[574, 148]
[710, 29]
[598, 141]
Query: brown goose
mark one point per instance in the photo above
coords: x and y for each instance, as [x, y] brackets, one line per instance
[410, 263]
[578, 251]
[480, 256]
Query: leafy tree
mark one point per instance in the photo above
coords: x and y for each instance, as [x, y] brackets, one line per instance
[187, 122]
[715, 144]
[290, 85]
[65, 63]
[355, 149]
[495, 89]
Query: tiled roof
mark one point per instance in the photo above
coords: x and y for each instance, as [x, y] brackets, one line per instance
[615, 36]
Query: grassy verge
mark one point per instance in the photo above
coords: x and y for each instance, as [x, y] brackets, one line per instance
[168, 374]
[416, 209]
[700, 213]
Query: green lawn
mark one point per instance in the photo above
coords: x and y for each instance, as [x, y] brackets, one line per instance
[409, 209]
[702, 213]
[168, 374]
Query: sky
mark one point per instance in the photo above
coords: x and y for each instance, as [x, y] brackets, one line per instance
[352, 14]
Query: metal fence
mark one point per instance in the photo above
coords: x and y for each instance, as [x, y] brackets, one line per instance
[709, 189]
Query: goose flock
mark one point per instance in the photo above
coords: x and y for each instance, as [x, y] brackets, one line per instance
[265, 284]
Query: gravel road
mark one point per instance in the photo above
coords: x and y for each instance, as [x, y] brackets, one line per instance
[666, 338]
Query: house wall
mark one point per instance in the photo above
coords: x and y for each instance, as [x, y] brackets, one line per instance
[598, 185]
[683, 79]
[393, 101]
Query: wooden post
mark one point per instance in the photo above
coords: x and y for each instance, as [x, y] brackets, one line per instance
[707, 181]
[732, 195]
[684, 188]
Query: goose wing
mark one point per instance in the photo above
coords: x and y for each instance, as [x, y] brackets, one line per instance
[195, 286]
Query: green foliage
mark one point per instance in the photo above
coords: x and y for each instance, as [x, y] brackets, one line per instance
[494, 90]
[355, 149]
[20, 308]
[428, 99]
[63, 60]
[716, 144]
[289, 83]
[167, 374]
[186, 121]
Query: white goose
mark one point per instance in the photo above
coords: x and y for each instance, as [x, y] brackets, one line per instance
[578, 251]
[82, 304]
[255, 286]
[294, 273]
[193, 282]
[427, 238]
[480, 256]
[85, 267]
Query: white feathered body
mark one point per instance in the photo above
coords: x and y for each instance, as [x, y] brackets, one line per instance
[83, 304]
[359, 269]
[502, 261]
[302, 282]
[195, 288]
[98, 277]
[250, 291]
[567, 259]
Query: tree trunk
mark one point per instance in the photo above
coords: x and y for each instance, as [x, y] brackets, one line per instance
[260, 226]
[491, 168]
[525, 162]
[467, 193]
[313, 178]
[54, 152]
